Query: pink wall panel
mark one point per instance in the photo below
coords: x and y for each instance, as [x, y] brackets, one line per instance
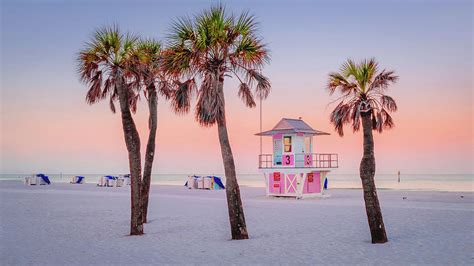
[315, 186]
[275, 183]
[312, 183]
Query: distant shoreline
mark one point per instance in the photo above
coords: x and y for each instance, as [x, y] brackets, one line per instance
[64, 181]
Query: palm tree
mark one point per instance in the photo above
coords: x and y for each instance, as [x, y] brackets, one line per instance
[211, 46]
[364, 100]
[153, 82]
[104, 65]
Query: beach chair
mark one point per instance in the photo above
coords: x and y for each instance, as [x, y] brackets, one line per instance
[111, 182]
[204, 182]
[124, 180]
[119, 182]
[195, 182]
[31, 180]
[102, 181]
[190, 182]
[208, 182]
[77, 179]
[127, 181]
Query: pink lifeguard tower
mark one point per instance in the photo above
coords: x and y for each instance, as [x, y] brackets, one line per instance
[293, 170]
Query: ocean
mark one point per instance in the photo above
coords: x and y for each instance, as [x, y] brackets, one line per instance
[423, 182]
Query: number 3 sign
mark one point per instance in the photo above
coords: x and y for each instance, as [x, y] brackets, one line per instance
[288, 159]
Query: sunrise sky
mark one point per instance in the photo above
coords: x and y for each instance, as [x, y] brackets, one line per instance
[46, 125]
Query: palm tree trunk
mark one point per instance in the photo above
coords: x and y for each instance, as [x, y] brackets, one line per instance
[367, 173]
[132, 140]
[150, 149]
[234, 203]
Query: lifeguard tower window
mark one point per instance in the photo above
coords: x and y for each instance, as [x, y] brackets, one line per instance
[287, 143]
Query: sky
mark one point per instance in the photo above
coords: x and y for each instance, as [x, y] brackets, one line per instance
[46, 125]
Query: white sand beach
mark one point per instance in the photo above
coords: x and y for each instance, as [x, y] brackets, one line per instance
[84, 224]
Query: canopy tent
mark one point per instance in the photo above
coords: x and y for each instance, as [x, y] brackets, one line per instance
[204, 182]
[44, 177]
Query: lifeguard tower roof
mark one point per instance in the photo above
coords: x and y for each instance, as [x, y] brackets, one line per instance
[291, 126]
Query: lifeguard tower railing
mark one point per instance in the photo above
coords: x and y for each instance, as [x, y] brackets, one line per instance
[299, 160]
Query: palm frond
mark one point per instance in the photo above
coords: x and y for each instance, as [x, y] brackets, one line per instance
[387, 120]
[389, 103]
[133, 99]
[177, 60]
[109, 85]
[150, 47]
[210, 103]
[263, 85]
[245, 25]
[378, 121]
[366, 71]
[181, 101]
[250, 52]
[113, 98]
[246, 95]
[338, 81]
[95, 91]
[182, 30]
[165, 88]
[383, 80]
[355, 116]
[340, 116]
[349, 68]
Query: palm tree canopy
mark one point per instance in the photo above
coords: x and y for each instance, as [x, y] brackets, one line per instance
[212, 45]
[362, 88]
[146, 68]
[104, 60]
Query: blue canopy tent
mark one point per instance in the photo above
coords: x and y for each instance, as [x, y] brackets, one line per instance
[79, 179]
[45, 178]
[218, 183]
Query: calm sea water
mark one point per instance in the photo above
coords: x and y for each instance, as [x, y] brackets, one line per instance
[429, 182]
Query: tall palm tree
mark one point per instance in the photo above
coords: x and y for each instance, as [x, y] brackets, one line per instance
[210, 47]
[153, 82]
[363, 100]
[104, 65]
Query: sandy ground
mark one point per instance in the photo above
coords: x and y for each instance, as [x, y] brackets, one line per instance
[84, 224]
